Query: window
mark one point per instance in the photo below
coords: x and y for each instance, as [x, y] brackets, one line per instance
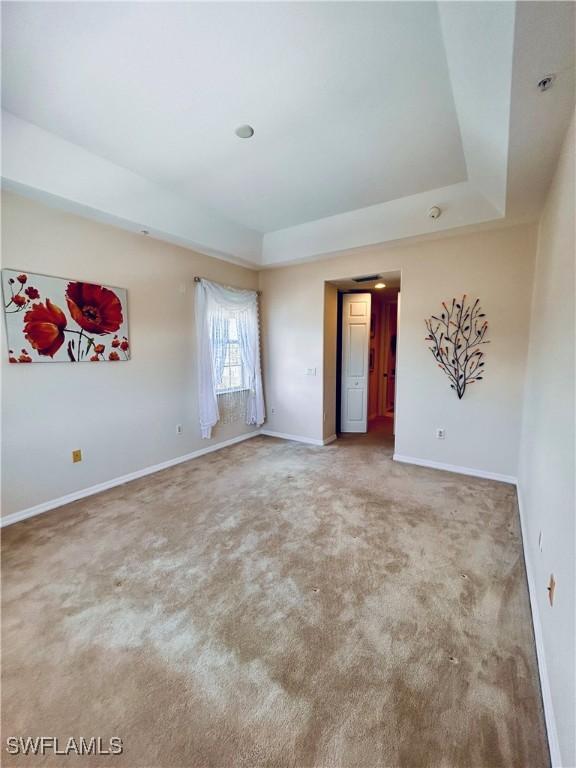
[228, 347]
[229, 371]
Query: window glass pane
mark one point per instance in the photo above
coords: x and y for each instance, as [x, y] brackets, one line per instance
[235, 376]
[233, 357]
[232, 329]
[232, 369]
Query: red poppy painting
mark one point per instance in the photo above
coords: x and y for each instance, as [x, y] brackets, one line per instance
[50, 319]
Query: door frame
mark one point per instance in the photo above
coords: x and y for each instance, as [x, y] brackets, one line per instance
[338, 355]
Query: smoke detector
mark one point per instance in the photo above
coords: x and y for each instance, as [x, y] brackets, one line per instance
[244, 131]
[434, 212]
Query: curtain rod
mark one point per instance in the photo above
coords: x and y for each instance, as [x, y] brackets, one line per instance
[197, 280]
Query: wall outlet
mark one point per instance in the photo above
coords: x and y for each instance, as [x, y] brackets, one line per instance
[76, 456]
[440, 433]
[272, 411]
[310, 371]
[179, 429]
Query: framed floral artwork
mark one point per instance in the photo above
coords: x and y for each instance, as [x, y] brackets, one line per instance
[51, 319]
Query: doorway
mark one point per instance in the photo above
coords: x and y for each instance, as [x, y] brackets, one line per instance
[366, 355]
[382, 363]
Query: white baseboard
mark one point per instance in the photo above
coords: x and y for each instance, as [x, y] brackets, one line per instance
[296, 438]
[553, 743]
[299, 438]
[455, 468]
[46, 506]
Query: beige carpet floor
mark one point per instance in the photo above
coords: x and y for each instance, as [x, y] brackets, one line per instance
[277, 604]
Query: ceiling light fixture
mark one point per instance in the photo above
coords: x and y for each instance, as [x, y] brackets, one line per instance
[244, 132]
[546, 83]
[380, 285]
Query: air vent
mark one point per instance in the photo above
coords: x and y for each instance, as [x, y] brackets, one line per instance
[367, 279]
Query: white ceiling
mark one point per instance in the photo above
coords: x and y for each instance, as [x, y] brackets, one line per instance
[344, 108]
[364, 114]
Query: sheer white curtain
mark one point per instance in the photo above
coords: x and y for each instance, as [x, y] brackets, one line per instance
[215, 305]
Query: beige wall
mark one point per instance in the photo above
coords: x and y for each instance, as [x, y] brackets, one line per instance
[547, 461]
[292, 397]
[123, 416]
[482, 430]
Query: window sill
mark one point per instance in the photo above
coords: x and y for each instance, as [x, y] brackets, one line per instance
[229, 391]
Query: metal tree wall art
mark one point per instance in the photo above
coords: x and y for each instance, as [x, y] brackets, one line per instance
[456, 337]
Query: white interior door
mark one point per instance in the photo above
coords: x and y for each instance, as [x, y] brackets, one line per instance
[355, 344]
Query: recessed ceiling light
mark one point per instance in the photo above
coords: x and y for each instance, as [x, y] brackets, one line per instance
[546, 83]
[244, 131]
[380, 285]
